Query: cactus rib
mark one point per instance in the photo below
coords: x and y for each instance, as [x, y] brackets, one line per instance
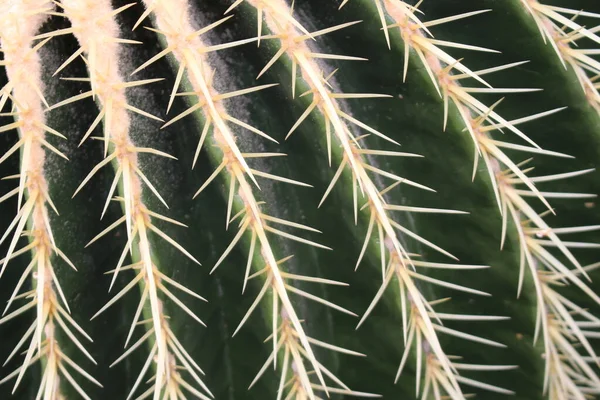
[25, 89]
[557, 327]
[184, 43]
[293, 39]
[549, 20]
[94, 25]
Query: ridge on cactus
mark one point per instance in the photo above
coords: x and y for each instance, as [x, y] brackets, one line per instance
[190, 187]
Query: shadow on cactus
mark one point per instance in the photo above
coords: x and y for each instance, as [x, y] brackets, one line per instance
[299, 199]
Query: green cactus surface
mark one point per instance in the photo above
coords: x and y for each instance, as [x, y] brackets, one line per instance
[299, 200]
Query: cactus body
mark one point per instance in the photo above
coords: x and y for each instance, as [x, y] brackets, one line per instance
[299, 200]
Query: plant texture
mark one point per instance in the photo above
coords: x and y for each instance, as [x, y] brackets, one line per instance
[310, 199]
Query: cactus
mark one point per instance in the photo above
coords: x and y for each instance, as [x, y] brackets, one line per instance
[207, 199]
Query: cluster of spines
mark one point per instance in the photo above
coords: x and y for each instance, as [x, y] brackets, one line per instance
[421, 324]
[25, 90]
[559, 321]
[562, 32]
[173, 21]
[94, 25]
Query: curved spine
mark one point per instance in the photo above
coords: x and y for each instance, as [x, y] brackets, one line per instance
[567, 374]
[173, 22]
[419, 318]
[19, 23]
[94, 26]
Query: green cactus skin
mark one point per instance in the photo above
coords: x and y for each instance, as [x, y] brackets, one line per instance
[433, 289]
